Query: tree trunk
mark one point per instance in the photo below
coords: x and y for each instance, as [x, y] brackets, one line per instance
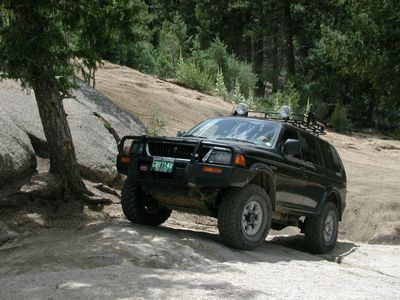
[58, 135]
[275, 63]
[289, 37]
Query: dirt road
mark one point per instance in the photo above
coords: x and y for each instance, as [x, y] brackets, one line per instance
[124, 261]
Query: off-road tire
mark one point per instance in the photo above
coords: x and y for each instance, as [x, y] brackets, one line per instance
[230, 217]
[314, 230]
[133, 205]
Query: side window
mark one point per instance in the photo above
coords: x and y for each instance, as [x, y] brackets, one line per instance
[337, 165]
[309, 148]
[330, 157]
[290, 133]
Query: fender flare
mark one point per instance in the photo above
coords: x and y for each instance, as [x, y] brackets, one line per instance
[334, 196]
[264, 176]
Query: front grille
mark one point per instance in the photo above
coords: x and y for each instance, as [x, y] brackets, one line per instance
[170, 150]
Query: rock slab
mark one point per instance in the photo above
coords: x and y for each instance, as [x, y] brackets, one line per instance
[90, 116]
[17, 157]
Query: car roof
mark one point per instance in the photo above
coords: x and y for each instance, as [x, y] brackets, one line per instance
[281, 123]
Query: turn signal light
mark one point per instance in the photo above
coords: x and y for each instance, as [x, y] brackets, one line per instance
[125, 159]
[240, 160]
[215, 170]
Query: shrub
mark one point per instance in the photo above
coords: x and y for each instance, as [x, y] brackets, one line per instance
[172, 41]
[192, 76]
[339, 120]
[290, 96]
[157, 123]
[220, 88]
[232, 68]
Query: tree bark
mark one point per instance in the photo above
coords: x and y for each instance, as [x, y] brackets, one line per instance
[58, 135]
[275, 63]
[62, 156]
[290, 62]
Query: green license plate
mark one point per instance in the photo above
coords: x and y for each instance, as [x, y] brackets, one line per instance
[163, 165]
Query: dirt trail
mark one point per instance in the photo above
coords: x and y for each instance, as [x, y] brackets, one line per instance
[373, 203]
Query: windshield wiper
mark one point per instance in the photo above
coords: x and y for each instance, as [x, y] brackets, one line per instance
[196, 136]
[236, 140]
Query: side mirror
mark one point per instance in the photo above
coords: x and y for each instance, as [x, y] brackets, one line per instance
[180, 133]
[291, 147]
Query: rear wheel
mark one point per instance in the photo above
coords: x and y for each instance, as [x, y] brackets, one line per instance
[244, 217]
[321, 231]
[140, 208]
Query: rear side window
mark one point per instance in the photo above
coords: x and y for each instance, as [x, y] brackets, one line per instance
[309, 148]
[331, 157]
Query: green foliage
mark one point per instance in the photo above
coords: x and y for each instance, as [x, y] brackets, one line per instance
[53, 33]
[343, 51]
[339, 120]
[158, 123]
[173, 40]
[289, 96]
[236, 95]
[220, 88]
[233, 69]
[191, 75]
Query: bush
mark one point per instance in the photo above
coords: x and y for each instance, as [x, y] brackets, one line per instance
[141, 57]
[339, 120]
[220, 88]
[172, 41]
[232, 68]
[157, 123]
[290, 96]
[189, 74]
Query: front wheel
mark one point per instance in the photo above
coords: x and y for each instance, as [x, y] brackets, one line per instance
[321, 231]
[244, 217]
[141, 208]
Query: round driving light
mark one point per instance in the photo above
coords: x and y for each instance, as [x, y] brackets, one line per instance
[285, 111]
[241, 110]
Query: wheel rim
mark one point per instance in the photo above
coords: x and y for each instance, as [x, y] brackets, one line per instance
[329, 228]
[151, 206]
[252, 218]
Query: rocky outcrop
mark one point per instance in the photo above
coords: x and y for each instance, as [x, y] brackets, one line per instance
[6, 234]
[17, 157]
[95, 122]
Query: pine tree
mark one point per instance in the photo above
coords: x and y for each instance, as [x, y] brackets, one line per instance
[39, 40]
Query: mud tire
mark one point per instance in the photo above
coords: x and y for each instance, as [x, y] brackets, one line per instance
[314, 230]
[133, 202]
[230, 216]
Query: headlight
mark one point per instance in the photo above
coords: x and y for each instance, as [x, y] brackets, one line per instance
[218, 157]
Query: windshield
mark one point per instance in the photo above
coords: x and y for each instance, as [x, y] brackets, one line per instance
[255, 131]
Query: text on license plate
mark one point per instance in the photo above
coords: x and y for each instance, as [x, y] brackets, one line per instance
[163, 165]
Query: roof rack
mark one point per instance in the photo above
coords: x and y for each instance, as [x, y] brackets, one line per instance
[307, 121]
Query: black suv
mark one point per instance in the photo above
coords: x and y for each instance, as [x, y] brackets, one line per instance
[251, 173]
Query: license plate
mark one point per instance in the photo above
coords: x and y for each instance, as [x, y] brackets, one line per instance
[163, 165]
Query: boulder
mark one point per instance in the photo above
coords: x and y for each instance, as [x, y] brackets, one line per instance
[95, 122]
[6, 234]
[17, 157]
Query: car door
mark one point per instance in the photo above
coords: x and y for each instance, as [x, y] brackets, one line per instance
[290, 183]
[315, 185]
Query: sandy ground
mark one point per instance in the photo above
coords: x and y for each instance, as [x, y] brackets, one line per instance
[372, 165]
[142, 94]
